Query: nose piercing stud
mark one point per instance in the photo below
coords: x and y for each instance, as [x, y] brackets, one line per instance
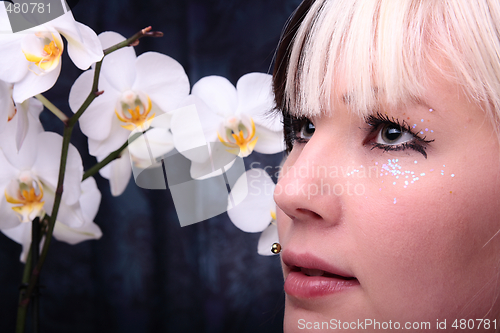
[276, 248]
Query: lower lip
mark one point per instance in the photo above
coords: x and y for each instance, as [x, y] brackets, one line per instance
[299, 285]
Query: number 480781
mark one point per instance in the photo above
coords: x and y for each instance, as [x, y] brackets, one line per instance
[25, 8]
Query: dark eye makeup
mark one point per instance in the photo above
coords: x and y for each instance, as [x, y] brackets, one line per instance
[390, 134]
[384, 132]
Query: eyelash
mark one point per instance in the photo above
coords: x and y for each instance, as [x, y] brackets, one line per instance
[378, 121]
[293, 126]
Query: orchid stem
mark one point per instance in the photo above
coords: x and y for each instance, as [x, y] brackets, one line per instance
[68, 130]
[134, 40]
[110, 158]
[21, 312]
[52, 108]
[35, 253]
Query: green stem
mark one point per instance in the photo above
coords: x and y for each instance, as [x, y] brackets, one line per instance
[134, 40]
[35, 249]
[68, 130]
[111, 157]
[52, 108]
[21, 310]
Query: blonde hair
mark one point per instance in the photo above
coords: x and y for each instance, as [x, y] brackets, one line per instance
[382, 50]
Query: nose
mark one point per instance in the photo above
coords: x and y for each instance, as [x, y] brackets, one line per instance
[308, 188]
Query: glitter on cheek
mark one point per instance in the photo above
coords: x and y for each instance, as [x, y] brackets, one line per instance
[404, 177]
[393, 168]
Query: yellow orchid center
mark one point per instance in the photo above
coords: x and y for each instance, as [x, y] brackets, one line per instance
[133, 110]
[47, 56]
[27, 194]
[238, 137]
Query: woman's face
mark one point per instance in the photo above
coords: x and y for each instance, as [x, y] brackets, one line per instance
[393, 217]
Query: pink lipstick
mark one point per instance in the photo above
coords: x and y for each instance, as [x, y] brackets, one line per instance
[308, 276]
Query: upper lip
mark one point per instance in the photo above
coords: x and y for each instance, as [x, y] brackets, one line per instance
[295, 261]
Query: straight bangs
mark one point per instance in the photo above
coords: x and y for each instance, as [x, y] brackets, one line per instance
[381, 51]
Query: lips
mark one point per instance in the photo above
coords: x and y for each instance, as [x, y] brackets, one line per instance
[308, 276]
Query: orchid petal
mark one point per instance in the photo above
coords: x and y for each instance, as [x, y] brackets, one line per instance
[105, 171]
[8, 173]
[33, 84]
[76, 235]
[218, 93]
[111, 38]
[155, 143]
[117, 137]
[8, 218]
[89, 203]
[256, 99]
[46, 166]
[5, 27]
[84, 48]
[22, 125]
[200, 171]
[267, 239]
[188, 134]
[162, 78]
[256, 188]
[70, 215]
[31, 106]
[118, 173]
[22, 235]
[12, 54]
[6, 102]
[269, 142]
[90, 198]
[118, 67]
[96, 121]
[34, 107]
[24, 158]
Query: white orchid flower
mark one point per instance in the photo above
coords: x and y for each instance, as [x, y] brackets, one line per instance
[237, 117]
[28, 179]
[31, 59]
[137, 91]
[89, 203]
[142, 153]
[251, 207]
[14, 116]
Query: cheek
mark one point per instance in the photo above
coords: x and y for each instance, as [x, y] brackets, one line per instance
[283, 223]
[424, 227]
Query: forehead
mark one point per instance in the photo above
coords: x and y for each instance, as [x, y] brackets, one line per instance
[343, 50]
[374, 53]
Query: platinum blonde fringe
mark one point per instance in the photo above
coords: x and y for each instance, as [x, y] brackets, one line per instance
[379, 51]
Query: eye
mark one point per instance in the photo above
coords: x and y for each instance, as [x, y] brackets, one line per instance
[297, 130]
[306, 131]
[391, 134]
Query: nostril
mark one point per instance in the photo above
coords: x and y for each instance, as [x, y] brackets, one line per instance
[308, 212]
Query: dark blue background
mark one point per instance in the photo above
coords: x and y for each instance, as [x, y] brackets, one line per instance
[147, 274]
